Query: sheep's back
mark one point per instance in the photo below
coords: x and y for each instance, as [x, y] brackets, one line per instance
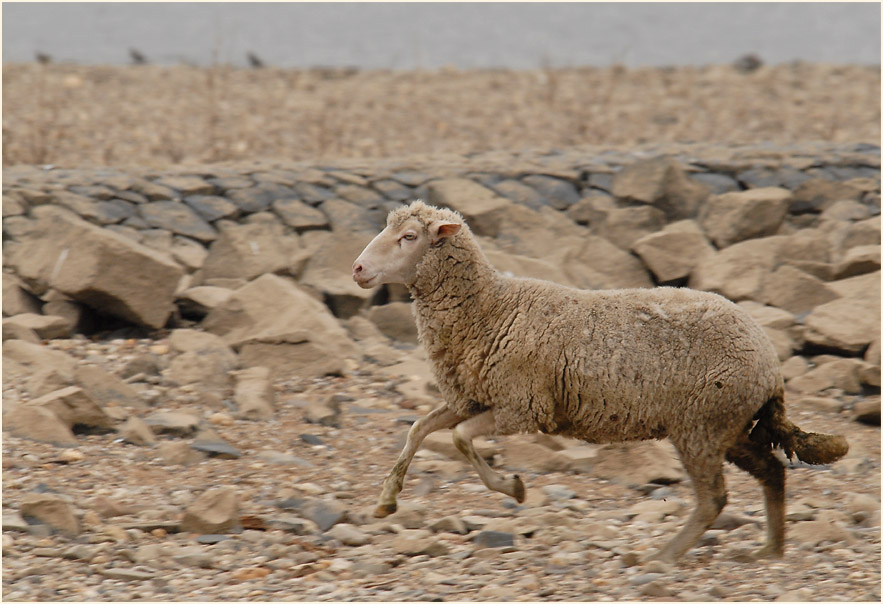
[629, 364]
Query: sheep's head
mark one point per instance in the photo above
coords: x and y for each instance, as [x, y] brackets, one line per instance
[411, 231]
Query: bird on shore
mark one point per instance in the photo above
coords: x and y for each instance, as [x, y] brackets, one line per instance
[255, 61]
[137, 57]
[43, 58]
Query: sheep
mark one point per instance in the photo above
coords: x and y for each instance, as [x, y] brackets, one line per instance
[515, 355]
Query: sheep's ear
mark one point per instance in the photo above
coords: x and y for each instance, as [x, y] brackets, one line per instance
[439, 231]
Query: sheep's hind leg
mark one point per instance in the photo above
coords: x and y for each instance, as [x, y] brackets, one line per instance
[463, 435]
[437, 419]
[760, 462]
[706, 472]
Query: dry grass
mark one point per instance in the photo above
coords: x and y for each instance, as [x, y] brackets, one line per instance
[150, 115]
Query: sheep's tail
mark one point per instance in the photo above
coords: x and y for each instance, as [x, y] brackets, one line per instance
[774, 429]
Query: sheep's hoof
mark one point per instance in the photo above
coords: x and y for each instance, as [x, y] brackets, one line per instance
[768, 551]
[385, 509]
[518, 489]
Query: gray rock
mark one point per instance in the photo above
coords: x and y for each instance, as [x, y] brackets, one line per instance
[300, 216]
[324, 513]
[210, 443]
[361, 196]
[392, 189]
[816, 194]
[558, 193]
[277, 457]
[177, 217]
[259, 198]
[494, 539]
[186, 185]
[520, 193]
[717, 183]
[126, 574]
[312, 193]
[348, 217]
[211, 207]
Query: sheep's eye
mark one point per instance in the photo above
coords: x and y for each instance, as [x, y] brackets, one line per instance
[409, 236]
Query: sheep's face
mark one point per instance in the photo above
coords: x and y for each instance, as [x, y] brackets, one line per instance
[393, 256]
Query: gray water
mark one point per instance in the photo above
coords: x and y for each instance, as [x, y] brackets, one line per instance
[466, 35]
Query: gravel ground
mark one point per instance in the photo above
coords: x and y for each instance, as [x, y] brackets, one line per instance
[574, 538]
[75, 116]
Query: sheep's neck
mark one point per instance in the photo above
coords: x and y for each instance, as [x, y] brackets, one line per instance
[447, 290]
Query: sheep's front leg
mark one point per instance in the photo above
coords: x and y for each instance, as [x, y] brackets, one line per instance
[477, 426]
[437, 419]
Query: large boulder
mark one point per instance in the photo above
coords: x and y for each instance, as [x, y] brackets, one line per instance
[273, 323]
[480, 206]
[672, 253]
[845, 325]
[662, 183]
[734, 217]
[249, 250]
[794, 290]
[739, 271]
[595, 263]
[16, 298]
[38, 423]
[395, 320]
[330, 268]
[75, 408]
[202, 358]
[623, 226]
[538, 234]
[99, 268]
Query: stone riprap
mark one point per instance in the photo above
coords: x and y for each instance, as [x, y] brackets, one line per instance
[169, 334]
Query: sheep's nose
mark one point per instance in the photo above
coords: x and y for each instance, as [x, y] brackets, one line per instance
[357, 268]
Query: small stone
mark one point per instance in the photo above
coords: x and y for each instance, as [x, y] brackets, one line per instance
[126, 574]
[494, 539]
[172, 422]
[215, 511]
[137, 432]
[348, 535]
[52, 510]
[416, 546]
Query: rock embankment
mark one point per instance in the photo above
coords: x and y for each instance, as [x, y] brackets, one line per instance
[172, 340]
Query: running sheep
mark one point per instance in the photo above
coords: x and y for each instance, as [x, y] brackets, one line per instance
[516, 355]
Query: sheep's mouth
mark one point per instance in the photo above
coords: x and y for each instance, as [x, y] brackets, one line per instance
[365, 283]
